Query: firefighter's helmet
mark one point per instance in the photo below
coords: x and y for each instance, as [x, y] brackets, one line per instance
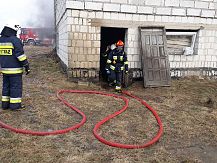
[13, 26]
[120, 43]
[113, 46]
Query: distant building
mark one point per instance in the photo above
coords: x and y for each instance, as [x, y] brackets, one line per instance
[183, 32]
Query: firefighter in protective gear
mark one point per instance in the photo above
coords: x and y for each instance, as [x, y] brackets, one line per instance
[118, 63]
[106, 70]
[12, 61]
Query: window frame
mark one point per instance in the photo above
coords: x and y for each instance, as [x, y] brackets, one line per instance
[187, 50]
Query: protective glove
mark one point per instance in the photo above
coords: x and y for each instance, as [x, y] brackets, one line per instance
[27, 69]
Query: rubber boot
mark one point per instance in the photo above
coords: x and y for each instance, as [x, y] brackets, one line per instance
[118, 89]
[20, 109]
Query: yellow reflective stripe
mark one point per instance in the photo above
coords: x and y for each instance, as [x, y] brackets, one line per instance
[126, 63]
[121, 58]
[15, 100]
[122, 68]
[112, 67]
[22, 57]
[6, 44]
[115, 57]
[11, 70]
[118, 88]
[109, 61]
[5, 98]
[6, 47]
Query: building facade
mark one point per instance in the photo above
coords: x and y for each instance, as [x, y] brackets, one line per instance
[85, 27]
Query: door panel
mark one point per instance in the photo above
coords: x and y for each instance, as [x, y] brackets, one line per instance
[156, 68]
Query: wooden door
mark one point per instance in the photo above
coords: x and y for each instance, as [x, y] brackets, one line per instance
[155, 62]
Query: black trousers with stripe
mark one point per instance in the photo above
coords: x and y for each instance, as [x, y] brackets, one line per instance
[12, 89]
[116, 76]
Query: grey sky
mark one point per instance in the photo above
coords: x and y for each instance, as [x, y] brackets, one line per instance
[27, 13]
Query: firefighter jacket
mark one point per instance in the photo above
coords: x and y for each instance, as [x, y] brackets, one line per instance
[12, 57]
[117, 60]
[106, 53]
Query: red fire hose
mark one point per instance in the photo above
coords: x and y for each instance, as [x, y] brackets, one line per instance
[97, 126]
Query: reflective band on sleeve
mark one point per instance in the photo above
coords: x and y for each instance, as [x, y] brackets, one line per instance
[122, 68]
[126, 63]
[22, 57]
[5, 98]
[12, 70]
[112, 67]
[109, 61]
[115, 57]
[6, 45]
[15, 100]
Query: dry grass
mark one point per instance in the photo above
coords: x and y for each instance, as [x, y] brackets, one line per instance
[188, 110]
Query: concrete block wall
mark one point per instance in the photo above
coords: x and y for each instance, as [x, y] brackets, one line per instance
[132, 48]
[62, 40]
[83, 45]
[203, 8]
[60, 8]
[62, 31]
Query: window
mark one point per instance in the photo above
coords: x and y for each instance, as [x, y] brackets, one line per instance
[181, 42]
[24, 31]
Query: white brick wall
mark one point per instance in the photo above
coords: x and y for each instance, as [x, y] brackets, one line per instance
[178, 11]
[145, 10]
[128, 8]
[93, 6]
[172, 3]
[60, 9]
[111, 7]
[63, 41]
[208, 13]
[177, 7]
[153, 2]
[163, 11]
[199, 4]
[119, 1]
[193, 12]
[187, 3]
[75, 4]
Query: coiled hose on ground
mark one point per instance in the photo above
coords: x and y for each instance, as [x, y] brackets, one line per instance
[97, 126]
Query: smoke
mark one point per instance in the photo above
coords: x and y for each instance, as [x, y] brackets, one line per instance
[27, 13]
[43, 15]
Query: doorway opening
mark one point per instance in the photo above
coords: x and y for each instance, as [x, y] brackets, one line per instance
[109, 36]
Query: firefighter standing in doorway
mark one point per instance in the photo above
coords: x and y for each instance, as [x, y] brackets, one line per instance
[12, 61]
[112, 47]
[104, 58]
[118, 63]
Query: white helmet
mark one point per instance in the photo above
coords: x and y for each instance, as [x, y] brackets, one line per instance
[14, 26]
[113, 46]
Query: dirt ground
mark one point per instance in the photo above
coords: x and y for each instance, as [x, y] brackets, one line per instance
[188, 110]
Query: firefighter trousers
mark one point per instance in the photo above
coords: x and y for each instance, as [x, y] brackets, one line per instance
[116, 77]
[12, 92]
